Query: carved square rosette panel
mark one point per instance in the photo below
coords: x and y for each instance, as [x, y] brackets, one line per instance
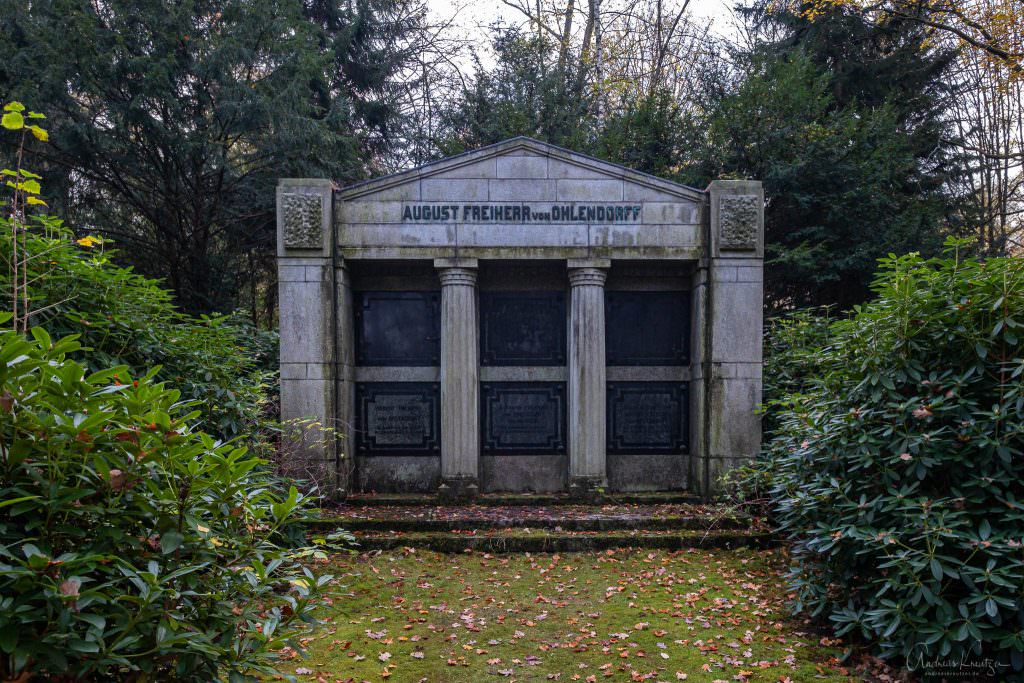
[303, 221]
[738, 219]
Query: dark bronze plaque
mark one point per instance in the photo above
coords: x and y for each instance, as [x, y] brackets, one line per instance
[648, 417]
[398, 418]
[522, 328]
[397, 328]
[523, 418]
[647, 328]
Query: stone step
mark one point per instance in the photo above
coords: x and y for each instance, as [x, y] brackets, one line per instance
[532, 541]
[556, 518]
[528, 499]
[554, 524]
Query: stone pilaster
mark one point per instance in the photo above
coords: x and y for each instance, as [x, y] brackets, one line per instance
[587, 399]
[730, 372]
[460, 379]
[306, 286]
[345, 378]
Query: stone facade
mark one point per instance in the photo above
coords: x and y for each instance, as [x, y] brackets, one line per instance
[521, 318]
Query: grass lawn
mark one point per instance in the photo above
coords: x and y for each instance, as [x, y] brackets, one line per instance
[622, 615]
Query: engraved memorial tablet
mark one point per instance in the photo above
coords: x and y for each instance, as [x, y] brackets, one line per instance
[398, 418]
[647, 417]
[522, 418]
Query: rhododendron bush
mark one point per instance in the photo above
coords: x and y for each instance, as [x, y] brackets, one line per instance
[900, 473]
[132, 546]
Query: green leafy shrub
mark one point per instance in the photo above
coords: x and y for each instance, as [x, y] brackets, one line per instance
[133, 546]
[124, 318]
[793, 344]
[900, 473]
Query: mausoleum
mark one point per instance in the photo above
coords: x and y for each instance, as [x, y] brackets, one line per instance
[521, 318]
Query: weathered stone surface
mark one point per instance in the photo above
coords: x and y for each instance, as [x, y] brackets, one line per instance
[507, 235]
[303, 217]
[522, 167]
[563, 169]
[441, 189]
[671, 213]
[476, 169]
[738, 308]
[737, 219]
[399, 474]
[735, 421]
[648, 373]
[588, 190]
[645, 193]
[304, 323]
[739, 222]
[524, 473]
[513, 189]
[647, 472]
[524, 374]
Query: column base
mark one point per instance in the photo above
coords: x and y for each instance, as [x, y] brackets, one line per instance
[588, 489]
[458, 490]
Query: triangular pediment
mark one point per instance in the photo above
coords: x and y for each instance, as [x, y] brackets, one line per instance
[522, 160]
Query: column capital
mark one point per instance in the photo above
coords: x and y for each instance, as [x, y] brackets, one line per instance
[454, 277]
[584, 277]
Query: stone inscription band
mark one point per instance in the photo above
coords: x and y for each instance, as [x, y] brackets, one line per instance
[523, 213]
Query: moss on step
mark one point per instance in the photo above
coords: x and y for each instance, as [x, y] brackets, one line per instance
[523, 540]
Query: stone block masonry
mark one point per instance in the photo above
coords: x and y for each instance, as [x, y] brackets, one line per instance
[521, 318]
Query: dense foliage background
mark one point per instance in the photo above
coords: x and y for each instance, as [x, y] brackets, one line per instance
[170, 123]
[898, 460]
[122, 318]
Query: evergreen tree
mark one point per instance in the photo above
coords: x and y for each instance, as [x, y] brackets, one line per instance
[652, 134]
[526, 93]
[842, 120]
[172, 121]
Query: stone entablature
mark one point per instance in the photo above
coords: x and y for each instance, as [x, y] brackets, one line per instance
[534, 234]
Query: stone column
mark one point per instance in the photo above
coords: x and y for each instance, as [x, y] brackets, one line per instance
[306, 290]
[730, 373]
[460, 379]
[587, 393]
